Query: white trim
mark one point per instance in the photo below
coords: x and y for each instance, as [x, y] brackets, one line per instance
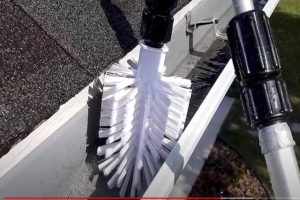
[190, 174]
[270, 7]
[43, 132]
[181, 13]
[185, 146]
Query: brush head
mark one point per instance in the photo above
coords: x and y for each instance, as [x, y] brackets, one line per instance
[140, 121]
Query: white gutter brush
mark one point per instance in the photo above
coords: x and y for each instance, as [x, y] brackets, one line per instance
[142, 111]
[264, 94]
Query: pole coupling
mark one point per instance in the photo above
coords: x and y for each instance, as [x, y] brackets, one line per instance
[264, 94]
[157, 22]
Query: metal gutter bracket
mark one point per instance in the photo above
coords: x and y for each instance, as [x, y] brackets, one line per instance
[192, 26]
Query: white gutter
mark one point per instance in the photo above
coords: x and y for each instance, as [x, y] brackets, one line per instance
[167, 176]
[188, 141]
[51, 160]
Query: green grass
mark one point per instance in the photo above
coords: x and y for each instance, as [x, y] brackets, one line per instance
[286, 27]
[290, 7]
[285, 23]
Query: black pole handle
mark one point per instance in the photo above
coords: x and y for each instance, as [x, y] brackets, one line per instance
[157, 22]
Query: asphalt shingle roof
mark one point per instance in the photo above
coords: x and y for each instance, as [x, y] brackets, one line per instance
[36, 75]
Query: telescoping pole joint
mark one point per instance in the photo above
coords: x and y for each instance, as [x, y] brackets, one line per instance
[157, 22]
[264, 94]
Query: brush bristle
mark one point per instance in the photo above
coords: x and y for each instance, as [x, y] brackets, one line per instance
[141, 122]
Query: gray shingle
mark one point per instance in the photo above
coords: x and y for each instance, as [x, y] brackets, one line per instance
[36, 75]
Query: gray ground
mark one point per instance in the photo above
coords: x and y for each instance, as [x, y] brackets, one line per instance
[51, 49]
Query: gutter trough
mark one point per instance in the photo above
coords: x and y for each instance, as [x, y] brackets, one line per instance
[56, 159]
